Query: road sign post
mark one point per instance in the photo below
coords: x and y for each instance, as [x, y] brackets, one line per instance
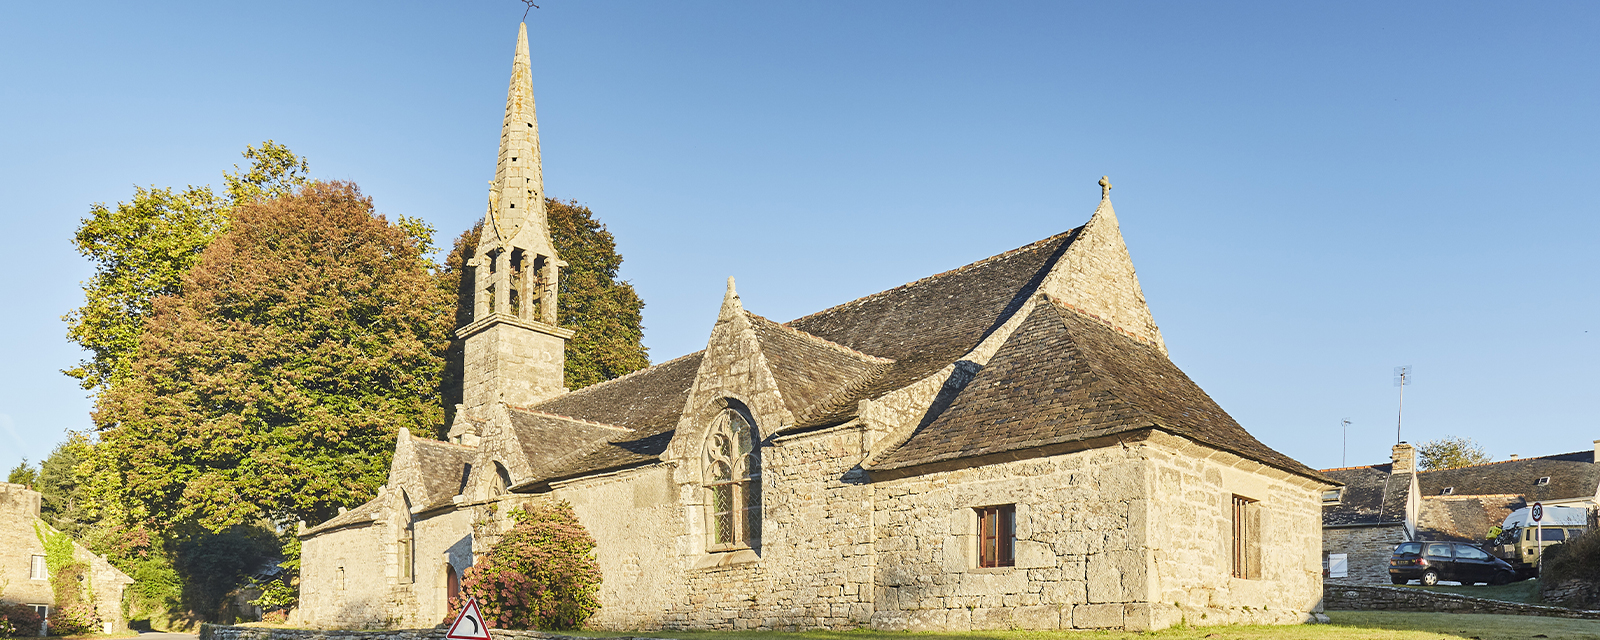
[469, 625]
[1537, 513]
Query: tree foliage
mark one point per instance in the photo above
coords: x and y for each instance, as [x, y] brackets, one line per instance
[62, 487]
[23, 474]
[1450, 452]
[275, 382]
[141, 250]
[542, 574]
[606, 313]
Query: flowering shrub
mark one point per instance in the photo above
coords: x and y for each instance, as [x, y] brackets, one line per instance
[76, 619]
[18, 620]
[540, 575]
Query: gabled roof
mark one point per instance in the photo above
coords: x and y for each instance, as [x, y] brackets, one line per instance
[1371, 495]
[1062, 377]
[1572, 475]
[1463, 518]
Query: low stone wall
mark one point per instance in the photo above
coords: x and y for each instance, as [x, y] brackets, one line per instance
[1351, 597]
[1578, 594]
[224, 632]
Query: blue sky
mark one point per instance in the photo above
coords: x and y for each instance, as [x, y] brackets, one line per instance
[1312, 193]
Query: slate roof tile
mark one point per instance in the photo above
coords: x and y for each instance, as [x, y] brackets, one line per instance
[1572, 475]
[1463, 518]
[1371, 495]
[441, 465]
[1063, 376]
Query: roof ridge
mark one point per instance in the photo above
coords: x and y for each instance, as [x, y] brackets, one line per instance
[973, 265]
[568, 418]
[620, 378]
[432, 441]
[819, 339]
[1495, 462]
[1469, 496]
[1359, 466]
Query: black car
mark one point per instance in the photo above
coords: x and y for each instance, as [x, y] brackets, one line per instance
[1431, 562]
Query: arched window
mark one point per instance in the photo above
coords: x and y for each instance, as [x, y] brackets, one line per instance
[733, 478]
[452, 583]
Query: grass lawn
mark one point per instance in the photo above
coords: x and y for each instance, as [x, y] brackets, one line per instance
[1526, 592]
[1353, 625]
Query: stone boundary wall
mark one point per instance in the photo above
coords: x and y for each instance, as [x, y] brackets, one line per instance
[225, 632]
[1352, 597]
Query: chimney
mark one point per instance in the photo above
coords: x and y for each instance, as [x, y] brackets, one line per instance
[1597, 451]
[1405, 459]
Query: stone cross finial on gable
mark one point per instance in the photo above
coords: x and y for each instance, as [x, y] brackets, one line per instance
[1105, 188]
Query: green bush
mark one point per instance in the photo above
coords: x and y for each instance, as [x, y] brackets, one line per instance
[1579, 558]
[540, 575]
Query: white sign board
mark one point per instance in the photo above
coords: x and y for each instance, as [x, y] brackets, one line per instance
[469, 625]
[1338, 565]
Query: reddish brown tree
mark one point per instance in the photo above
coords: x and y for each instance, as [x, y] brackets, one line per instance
[274, 385]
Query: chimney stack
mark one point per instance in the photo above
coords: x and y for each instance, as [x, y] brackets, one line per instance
[1405, 459]
[1597, 451]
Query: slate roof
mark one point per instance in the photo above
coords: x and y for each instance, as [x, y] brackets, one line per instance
[442, 465]
[1572, 475]
[1371, 495]
[809, 370]
[648, 401]
[361, 515]
[925, 325]
[827, 362]
[1063, 376]
[549, 441]
[1463, 518]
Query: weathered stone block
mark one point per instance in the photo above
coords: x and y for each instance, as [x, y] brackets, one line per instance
[1097, 616]
[1036, 618]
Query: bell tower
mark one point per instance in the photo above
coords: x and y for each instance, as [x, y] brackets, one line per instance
[515, 352]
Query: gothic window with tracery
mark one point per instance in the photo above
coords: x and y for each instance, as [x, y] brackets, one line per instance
[733, 478]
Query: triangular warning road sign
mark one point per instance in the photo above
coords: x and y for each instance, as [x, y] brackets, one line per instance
[469, 625]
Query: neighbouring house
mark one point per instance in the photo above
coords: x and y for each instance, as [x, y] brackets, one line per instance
[1381, 506]
[1002, 445]
[24, 570]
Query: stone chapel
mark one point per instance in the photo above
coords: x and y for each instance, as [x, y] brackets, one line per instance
[1002, 445]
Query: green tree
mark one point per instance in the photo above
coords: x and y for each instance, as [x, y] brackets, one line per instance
[23, 474]
[62, 487]
[274, 383]
[1450, 452]
[606, 313]
[141, 249]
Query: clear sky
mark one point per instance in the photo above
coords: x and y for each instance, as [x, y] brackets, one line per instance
[1312, 193]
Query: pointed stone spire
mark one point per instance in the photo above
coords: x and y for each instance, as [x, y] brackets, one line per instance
[731, 306]
[1096, 275]
[515, 348]
[516, 196]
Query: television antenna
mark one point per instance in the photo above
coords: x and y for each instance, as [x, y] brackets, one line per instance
[1344, 449]
[1402, 377]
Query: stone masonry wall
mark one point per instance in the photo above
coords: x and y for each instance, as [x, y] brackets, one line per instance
[223, 632]
[1078, 536]
[342, 583]
[1189, 501]
[1368, 550]
[1350, 597]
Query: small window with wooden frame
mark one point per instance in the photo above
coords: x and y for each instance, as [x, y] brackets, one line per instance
[1245, 543]
[997, 527]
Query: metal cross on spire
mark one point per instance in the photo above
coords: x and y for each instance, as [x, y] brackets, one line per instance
[531, 7]
[1105, 188]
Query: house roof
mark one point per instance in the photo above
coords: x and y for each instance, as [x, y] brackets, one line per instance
[1371, 495]
[1572, 476]
[1463, 518]
[1064, 376]
[548, 441]
[809, 370]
